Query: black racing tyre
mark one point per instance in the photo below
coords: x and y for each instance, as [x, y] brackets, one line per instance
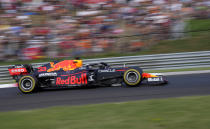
[27, 84]
[132, 77]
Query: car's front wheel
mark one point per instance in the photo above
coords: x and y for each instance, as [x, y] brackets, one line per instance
[132, 77]
[27, 84]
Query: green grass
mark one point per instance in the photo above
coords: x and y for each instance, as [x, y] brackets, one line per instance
[8, 82]
[199, 43]
[198, 24]
[173, 113]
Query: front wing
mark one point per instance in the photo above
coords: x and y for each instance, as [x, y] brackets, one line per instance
[158, 80]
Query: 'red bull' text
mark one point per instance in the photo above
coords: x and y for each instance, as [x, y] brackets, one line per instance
[72, 80]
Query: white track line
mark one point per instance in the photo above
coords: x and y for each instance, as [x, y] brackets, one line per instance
[8, 85]
[166, 74]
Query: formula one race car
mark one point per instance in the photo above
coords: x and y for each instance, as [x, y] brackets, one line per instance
[72, 73]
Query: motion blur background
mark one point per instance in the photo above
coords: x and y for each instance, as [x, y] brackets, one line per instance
[39, 29]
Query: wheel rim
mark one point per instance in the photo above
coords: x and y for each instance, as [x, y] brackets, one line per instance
[132, 77]
[27, 84]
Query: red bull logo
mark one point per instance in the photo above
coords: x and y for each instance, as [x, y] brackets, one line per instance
[65, 65]
[147, 75]
[72, 80]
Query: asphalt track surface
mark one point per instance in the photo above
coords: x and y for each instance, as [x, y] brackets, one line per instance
[180, 85]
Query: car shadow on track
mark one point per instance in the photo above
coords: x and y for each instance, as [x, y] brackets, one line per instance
[88, 88]
[95, 87]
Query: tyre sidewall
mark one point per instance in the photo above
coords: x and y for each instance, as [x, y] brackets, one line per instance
[33, 81]
[137, 82]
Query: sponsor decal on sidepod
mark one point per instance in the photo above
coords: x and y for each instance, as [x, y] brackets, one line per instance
[47, 74]
[106, 70]
[65, 65]
[72, 80]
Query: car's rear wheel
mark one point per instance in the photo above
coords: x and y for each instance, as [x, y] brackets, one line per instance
[132, 77]
[27, 84]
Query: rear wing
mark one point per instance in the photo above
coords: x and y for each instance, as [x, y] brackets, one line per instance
[19, 70]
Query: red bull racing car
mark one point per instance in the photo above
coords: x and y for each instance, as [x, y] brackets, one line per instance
[72, 73]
